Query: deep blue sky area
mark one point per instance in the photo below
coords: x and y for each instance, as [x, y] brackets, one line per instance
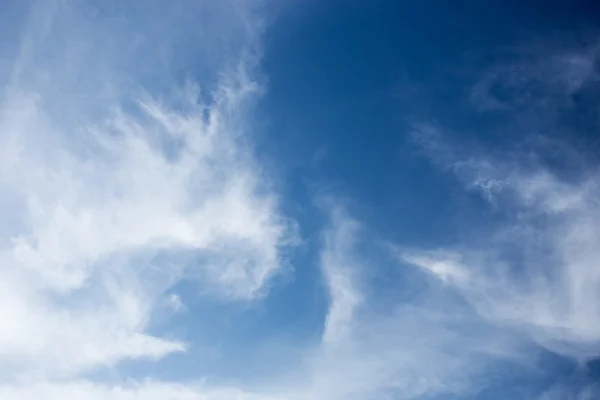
[345, 77]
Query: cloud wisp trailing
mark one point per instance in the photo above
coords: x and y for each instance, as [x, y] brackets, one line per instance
[377, 347]
[536, 269]
[103, 174]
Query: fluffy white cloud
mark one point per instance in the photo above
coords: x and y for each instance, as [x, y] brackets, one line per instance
[101, 176]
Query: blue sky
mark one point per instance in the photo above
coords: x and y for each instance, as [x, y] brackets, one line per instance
[299, 200]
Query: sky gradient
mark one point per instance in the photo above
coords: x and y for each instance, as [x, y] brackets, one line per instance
[299, 200]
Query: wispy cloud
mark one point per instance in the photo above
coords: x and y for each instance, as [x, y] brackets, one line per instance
[541, 76]
[535, 270]
[375, 347]
[340, 265]
[102, 172]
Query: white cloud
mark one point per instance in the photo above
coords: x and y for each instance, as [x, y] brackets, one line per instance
[100, 175]
[531, 268]
[395, 349]
[537, 271]
[340, 263]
